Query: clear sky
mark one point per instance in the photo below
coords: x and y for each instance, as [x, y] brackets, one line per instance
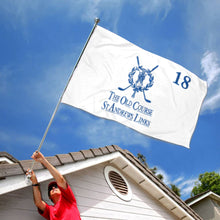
[40, 42]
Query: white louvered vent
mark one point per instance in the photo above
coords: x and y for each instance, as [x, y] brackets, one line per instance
[117, 183]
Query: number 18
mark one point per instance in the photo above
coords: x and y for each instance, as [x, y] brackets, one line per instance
[185, 83]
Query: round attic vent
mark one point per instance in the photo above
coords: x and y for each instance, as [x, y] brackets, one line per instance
[117, 183]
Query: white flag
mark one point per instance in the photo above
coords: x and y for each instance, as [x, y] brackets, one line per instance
[118, 80]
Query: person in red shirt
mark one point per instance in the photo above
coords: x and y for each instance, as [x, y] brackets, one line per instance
[60, 193]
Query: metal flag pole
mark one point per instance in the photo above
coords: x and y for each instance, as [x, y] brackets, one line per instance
[56, 108]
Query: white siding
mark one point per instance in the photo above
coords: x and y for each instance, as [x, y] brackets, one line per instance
[94, 197]
[97, 201]
[206, 209]
[18, 205]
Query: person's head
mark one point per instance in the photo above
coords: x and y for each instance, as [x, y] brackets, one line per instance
[53, 191]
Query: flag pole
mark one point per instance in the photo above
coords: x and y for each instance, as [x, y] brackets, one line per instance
[56, 108]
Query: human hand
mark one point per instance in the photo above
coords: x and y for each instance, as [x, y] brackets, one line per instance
[38, 156]
[31, 175]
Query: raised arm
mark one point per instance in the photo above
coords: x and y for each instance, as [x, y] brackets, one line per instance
[36, 191]
[39, 157]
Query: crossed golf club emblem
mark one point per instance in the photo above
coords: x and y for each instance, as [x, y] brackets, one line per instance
[137, 84]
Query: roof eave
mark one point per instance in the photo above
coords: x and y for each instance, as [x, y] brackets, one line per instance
[15, 182]
[154, 190]
[208, 194]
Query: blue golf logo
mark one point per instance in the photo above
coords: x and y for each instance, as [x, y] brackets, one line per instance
[137, 78]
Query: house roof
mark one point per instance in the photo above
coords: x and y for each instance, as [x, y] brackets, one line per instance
[6, 158]
[201, 196]
[123, 159]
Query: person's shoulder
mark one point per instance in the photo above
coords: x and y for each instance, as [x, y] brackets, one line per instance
[46, 211]
[67, 188]
[68, 194]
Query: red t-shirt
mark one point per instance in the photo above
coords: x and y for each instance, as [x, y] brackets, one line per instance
[65, 209]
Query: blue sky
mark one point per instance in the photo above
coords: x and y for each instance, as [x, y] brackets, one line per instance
[40, 43]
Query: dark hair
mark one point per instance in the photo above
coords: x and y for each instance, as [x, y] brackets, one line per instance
[50, 187]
